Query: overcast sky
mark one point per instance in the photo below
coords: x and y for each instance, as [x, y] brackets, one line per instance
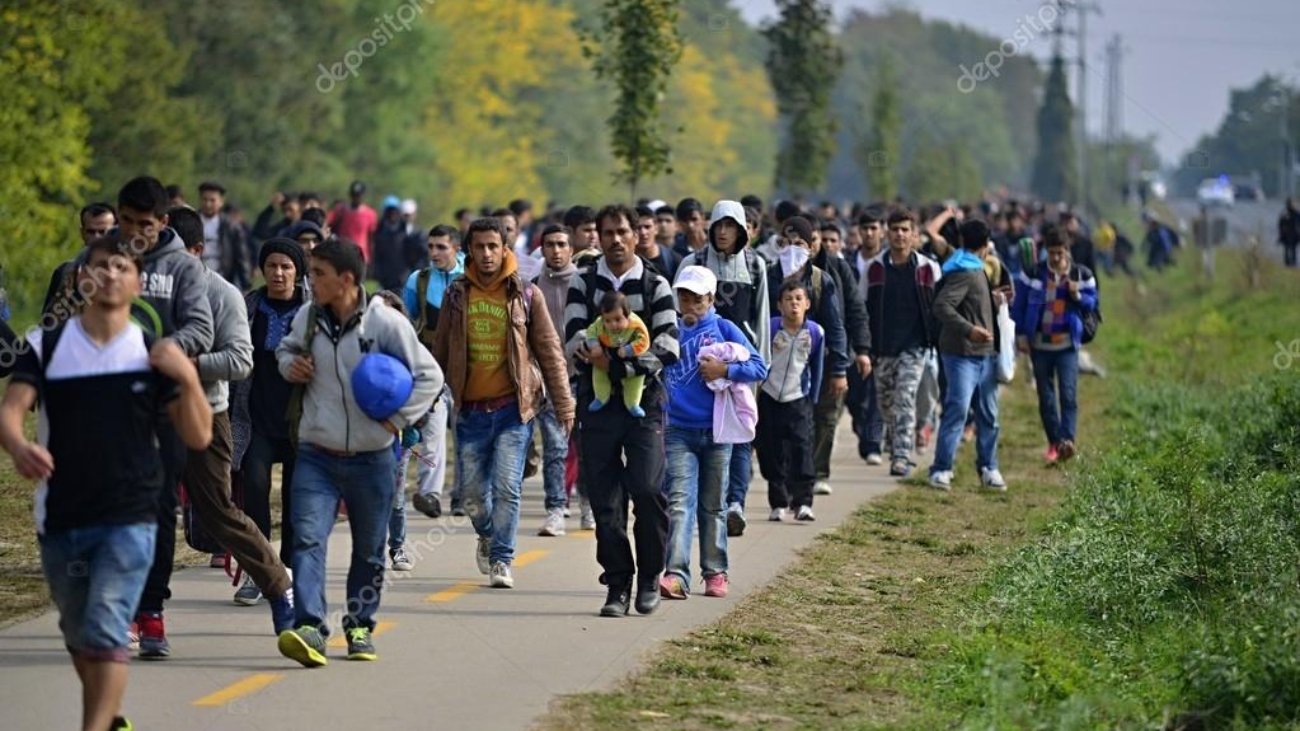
[1182, 55]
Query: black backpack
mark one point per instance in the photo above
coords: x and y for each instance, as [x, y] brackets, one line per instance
[1091, 318]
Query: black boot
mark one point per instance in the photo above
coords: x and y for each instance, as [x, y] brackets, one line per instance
[617, 601]
[647, 595]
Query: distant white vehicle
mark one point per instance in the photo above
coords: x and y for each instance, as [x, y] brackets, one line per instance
[1214, 192]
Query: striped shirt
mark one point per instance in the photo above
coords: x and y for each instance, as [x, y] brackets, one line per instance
[648, 294]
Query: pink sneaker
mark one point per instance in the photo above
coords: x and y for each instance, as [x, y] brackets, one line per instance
[1052, 455]
[715, 585]
[671, 587]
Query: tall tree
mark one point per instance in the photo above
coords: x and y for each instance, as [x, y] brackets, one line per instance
[1055, 177]
[637, 51]
[880, 149]
[803, 62]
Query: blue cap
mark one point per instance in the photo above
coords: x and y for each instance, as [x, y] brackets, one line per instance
[392, 201]
[381, 385]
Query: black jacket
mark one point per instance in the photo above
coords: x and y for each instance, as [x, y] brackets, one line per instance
[856, 324]
[235, 267]
[927, 277]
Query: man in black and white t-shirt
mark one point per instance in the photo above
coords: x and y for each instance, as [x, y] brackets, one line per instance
[105, 389]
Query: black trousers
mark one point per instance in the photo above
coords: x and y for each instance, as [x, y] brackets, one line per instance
[255, 477]
[623, 462]
[864, 409]
[785, 450]
[156, 590]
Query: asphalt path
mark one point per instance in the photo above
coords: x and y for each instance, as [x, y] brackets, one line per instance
[453, 653]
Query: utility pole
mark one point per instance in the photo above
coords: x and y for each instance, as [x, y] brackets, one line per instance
[1284, 182]
[1114, 91]
[1114, 115]
[1082, 8]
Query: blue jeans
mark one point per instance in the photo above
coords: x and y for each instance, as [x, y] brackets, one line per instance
[695, 478]
[397, 519]
[1049, 366]
[365, 482]
[491, 447]
[96, 575]
[555, 450]
[968, 378]
[740, 473]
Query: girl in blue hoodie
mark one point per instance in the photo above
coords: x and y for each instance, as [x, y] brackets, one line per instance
[697, 466]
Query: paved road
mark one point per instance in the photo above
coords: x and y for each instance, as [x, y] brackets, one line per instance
[453, 653]
[1247, 220]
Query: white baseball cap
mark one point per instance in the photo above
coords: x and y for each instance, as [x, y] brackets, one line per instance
[408, 206]
[697, 279]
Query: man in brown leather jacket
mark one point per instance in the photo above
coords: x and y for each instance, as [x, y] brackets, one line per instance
[502, 356]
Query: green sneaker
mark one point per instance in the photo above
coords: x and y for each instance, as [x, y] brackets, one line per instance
[121, 723]
[304, 645]
[360, 647]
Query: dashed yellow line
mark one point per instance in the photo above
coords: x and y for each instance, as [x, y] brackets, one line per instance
[380, 628]
[528, 557]
[251, 684]
[455, 591]
[452, 592]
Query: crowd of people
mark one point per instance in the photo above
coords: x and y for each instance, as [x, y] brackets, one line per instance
[656, 348]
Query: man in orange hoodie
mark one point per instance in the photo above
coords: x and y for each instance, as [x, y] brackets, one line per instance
[502, 357]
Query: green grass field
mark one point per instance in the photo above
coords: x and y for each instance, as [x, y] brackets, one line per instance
[966, 610]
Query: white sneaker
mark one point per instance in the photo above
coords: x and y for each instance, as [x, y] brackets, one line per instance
[822, 488]
[992, 480]
[248, 594]
[941, 480]
[805, 513]
[875, 459]
[481, 554]
[500, 577]
[567, 513]
[777, 515]
[587, 521]
[554, 523]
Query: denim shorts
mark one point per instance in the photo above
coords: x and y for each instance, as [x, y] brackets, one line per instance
[96, 575]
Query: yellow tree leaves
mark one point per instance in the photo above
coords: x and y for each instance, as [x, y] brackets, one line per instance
[487, 124]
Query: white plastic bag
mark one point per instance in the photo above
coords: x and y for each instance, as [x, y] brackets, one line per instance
[1006, 345]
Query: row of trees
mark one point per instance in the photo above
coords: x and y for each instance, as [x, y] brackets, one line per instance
[481, 101]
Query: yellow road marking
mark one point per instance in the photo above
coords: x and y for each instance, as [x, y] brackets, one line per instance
[455, 591]
[582, 534]
[528, 557]
[251, 684]
[452, 592]
[380, 628]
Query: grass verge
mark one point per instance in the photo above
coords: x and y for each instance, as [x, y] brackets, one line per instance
[966, 610]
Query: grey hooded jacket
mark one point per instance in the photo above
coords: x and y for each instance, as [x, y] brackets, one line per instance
[231, 355]
[742, 295]
[331, 417]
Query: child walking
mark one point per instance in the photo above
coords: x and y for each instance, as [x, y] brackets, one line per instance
[785, 405]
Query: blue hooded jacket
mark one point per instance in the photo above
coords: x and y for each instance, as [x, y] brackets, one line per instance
[690, 402]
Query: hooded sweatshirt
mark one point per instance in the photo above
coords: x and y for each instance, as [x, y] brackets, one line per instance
[690, 401]
[742, 295]
[488, 334]
[174, 303]
[438, 283]
[964, 302]
[554, 284]
[231, 355]
[331, 417]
